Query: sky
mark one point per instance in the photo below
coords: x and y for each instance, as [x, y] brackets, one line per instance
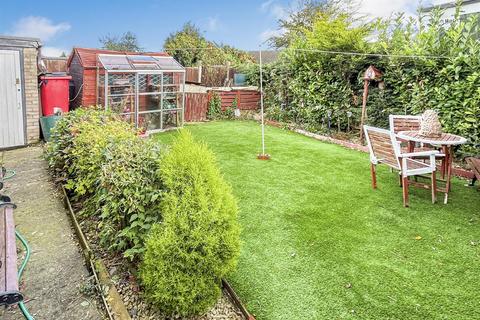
[245, 24]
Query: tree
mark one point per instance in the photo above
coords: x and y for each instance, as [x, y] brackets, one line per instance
[189, 47]
[302, 18]
[127, 42]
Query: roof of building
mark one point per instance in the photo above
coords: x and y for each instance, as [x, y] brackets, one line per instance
[138, 63]
[22, 42]
[88, 56]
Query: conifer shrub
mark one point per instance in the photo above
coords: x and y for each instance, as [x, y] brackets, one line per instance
[197, 243]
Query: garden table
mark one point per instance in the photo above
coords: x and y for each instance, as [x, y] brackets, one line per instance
[446, 141]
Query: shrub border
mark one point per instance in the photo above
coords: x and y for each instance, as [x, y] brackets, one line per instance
[458, 172]
[113, 303]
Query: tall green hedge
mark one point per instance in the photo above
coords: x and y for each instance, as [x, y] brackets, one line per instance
[429, 64]
[197, 242]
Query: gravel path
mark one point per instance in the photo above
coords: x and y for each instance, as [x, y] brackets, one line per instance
[55, 276]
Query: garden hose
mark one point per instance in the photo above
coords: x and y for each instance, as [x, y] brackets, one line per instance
[24, 309]
[8, 174]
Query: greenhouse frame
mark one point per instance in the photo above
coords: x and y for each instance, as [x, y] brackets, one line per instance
[146, 90]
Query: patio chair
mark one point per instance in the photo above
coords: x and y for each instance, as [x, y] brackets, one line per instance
[384, 148]
[412, 123]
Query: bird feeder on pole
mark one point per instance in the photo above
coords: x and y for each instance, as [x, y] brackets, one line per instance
[370, 74]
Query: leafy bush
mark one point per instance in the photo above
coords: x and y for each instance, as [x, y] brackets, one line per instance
[87, 152]
[214, 107]
[197, 243]
[229, 112]
[59, 150]
[112, 171]
[129, 193]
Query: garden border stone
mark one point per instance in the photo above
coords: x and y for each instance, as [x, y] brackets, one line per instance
[111, 298]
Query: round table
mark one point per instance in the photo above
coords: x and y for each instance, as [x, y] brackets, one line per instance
[446, 141]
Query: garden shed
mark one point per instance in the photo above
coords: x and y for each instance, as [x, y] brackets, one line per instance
[147, 89]
[19, 103]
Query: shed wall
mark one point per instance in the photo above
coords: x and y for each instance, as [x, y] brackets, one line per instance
[89, 94]
[32, 105]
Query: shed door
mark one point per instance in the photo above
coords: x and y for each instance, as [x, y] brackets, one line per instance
[12, 130]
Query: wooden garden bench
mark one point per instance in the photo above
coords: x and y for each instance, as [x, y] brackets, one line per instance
[9, 293]
[474, 164]
[384, 148]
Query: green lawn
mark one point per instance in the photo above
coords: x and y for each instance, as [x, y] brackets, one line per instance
[319, 243]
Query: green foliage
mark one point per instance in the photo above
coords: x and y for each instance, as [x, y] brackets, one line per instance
[189, 47]
[437, 66]
[215, 111]
[128, 197]
[197, 243]
[302, 17]
[214, 107]
[114, 172]
[59, 151]
[127, 42]
[88, 150]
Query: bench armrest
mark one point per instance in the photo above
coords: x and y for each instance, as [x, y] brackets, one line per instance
[419, 154]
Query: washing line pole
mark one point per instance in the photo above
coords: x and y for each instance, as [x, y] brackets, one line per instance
[263, 155]
[261, 102]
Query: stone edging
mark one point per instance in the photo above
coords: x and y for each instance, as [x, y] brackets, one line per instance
[458, 172]
[108, 292]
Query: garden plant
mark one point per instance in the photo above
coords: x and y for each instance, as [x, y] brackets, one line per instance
[159, 207]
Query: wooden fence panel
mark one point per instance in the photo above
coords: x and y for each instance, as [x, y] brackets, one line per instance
[196, 107]
[246, 99]
[196, 104]
[193, 75]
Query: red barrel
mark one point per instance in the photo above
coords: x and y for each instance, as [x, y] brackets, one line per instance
[54, 93]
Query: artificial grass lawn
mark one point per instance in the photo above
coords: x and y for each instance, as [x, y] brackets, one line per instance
[319, 243]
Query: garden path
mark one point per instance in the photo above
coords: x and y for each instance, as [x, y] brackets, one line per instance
[55, 276]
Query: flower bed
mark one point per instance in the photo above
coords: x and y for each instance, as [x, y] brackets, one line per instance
[164, 222]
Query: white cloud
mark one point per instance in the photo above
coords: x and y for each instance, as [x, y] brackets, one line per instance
[267, 34]
[385, 8]
[53, 51]
[274, 9]
[39, 27]
[212, 23]
[266, 4]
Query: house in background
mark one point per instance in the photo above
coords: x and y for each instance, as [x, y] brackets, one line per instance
[19, 102]
[468, 7]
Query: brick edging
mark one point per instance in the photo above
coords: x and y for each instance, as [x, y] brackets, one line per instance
[458, 172]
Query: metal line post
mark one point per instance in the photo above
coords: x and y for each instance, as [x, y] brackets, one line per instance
[261, 101]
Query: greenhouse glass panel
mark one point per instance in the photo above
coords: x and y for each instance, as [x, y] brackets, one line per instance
[146, 90]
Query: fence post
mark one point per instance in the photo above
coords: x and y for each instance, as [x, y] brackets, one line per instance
[200, 72]
[238, 99]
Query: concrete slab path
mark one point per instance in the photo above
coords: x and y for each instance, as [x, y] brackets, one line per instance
[56, 278]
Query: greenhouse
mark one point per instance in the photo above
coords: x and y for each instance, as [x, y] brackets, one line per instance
[146, 90]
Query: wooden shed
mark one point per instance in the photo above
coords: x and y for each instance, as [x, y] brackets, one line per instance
[19, 103]
[83, 66]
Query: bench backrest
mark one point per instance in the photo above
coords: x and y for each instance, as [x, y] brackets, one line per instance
[404, 123]
[382, 146]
